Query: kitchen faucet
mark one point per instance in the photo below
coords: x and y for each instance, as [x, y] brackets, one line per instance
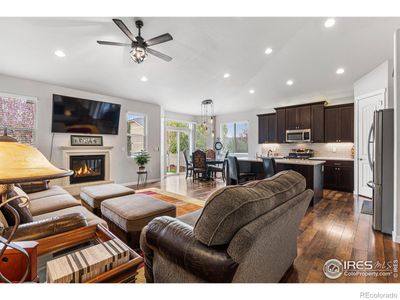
[269, 154]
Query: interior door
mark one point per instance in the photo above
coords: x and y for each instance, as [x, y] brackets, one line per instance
[365, 114]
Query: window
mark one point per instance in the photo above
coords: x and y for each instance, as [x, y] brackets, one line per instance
[136, 124]
[235, 136]
[17, 114]
[201, 137]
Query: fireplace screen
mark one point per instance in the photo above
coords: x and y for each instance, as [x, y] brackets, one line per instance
[87, 168]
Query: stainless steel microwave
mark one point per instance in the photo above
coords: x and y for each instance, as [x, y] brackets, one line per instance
[298, 136]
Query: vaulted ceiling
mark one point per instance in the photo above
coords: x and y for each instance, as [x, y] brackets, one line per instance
[204, 49]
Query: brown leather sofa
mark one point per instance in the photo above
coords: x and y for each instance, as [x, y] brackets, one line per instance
[243, 234]
[52, 211]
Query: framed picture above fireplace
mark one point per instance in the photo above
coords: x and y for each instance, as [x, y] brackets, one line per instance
[84, 140]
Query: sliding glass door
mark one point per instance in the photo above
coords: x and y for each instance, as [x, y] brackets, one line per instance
[178, 140]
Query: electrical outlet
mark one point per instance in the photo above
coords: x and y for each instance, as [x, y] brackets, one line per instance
[334, 149]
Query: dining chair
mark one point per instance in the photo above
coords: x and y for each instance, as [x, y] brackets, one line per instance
[199, 164]
[235, 176]
[210, 154]
[189, 165]
[214, 169]
[269, 166]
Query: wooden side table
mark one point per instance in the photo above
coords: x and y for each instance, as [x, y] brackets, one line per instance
[142, 177]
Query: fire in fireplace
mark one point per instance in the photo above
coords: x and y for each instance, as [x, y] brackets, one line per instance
[86, 168]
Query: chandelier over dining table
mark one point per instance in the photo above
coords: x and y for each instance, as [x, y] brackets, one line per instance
[207, 112]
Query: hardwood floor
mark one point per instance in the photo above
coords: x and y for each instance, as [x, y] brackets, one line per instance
[334, 228]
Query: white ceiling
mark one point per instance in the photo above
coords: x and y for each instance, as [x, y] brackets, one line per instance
[203, 50]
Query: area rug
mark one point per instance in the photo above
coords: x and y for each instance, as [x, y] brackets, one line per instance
[184, 205]
[367, 207]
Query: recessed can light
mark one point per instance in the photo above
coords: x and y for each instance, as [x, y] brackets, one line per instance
[252, 91]
[144, 78]
[329, 22]
[227, 75]
[340, 71]
[289, 82]
[59, 53]
[268, 51]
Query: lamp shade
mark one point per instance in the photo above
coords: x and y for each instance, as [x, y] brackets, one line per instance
[24, 163]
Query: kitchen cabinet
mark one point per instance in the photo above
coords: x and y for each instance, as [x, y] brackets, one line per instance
[318, 123]
[298, 117]
[267, 128]
[339, 175]
[339, 123]
[281, 125]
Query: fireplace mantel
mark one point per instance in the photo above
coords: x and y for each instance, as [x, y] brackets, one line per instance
[86, 147]
[68, 151]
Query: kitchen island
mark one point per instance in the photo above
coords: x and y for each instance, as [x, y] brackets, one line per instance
[312, 170]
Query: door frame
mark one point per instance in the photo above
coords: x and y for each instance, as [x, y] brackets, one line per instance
[357, 99]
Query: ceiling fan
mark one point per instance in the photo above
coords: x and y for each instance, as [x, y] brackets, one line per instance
[140, 46]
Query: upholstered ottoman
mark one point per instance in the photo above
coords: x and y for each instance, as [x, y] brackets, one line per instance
[126, 216]
[92, 196]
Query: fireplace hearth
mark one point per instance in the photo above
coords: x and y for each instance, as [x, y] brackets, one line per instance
[87, 168]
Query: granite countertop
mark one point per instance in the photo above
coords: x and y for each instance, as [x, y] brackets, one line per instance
[331, 158]
[306, 162]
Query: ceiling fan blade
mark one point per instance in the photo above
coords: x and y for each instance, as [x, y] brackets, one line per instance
[159, 54]
[124, 29]
[113, 43]
[159, 39]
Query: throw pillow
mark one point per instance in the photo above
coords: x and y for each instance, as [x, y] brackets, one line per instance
[24, 212]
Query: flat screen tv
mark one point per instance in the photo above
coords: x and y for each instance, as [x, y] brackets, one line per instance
[75, 115]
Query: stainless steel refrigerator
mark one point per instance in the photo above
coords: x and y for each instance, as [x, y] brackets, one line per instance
[381, 160]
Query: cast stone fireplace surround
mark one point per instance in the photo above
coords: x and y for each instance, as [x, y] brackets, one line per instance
[68, 151]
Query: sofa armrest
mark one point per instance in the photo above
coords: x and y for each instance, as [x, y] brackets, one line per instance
[43, 228]
[175, 241]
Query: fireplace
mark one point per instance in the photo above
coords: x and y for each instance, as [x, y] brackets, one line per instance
[87, 168]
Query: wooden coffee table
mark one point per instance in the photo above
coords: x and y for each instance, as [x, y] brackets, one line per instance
[58, 245]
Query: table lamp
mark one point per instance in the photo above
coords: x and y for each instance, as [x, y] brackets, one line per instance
[21, 163]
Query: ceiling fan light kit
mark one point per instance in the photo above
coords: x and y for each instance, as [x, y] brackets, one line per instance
[139, 46]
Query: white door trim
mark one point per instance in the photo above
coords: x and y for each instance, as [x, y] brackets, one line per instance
[357, 99]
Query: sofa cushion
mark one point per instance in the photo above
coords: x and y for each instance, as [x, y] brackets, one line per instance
[230, 208]
[52, 191]
[94, 195]
[52, 203]
[133, 212]
[190, 218]
[90, 217]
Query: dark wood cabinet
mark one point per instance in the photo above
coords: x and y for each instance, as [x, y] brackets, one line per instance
[267, 128]
[317, 123]
[347, 123]
[291, 118]
[339, 175]
[298, 117]
[281, 125]
[304, 117]
[339, 123]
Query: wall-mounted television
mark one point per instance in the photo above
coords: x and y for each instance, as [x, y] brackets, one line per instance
[76, 115]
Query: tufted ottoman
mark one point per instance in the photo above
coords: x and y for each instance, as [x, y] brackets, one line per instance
[92, 196]
[127, 215]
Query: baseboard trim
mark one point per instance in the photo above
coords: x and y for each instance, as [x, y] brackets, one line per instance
[395, 237]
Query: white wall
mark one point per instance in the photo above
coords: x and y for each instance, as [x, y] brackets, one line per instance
[123, 169]
[251, 117]
[396, 229]
[377, 79]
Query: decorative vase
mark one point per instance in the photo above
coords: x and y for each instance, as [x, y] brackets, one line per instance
[142, 168]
